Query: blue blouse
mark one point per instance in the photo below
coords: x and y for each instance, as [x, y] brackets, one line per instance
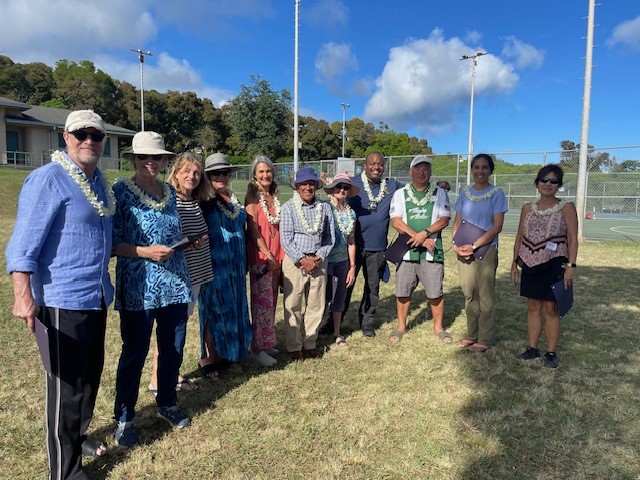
[141, 283]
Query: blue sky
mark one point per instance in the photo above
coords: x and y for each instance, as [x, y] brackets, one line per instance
[396, 62]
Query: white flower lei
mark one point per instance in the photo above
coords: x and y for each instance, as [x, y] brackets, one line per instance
[276, 206]
[479, 198]
[297, 203]
[146, 199]
[235, 204]
[548, 211]
[83, 183]
[374, 201]
[340, 215]
[414, 200]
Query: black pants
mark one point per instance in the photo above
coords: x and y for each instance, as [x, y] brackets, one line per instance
[372, 265]
[76, 352]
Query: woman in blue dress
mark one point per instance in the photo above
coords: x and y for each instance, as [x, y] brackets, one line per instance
[225, 329]
[152, 284]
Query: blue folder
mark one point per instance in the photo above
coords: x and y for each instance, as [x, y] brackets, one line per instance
[564, 297]
[467, 234]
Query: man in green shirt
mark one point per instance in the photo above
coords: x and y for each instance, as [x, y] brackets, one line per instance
[422, 211]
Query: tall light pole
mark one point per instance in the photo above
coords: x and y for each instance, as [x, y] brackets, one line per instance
[474, 63]
[296, 132]
[581, 190]
[344, 124]
[141, 55]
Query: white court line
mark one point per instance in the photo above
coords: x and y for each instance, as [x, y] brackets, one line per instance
[623, 230]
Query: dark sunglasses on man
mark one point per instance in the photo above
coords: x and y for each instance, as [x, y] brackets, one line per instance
[81, 135]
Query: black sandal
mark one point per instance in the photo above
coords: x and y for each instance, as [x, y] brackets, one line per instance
[210, 370]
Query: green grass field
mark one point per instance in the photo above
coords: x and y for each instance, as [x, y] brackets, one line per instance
[375, 410]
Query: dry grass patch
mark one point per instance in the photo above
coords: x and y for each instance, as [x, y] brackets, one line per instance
[375, 410]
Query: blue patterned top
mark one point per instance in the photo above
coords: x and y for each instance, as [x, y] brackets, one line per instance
[142, 284]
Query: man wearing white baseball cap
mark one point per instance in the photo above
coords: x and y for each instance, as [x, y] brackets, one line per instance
[58, 258]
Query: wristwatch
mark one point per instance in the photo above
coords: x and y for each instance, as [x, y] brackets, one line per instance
[428, 232]
[473, 246]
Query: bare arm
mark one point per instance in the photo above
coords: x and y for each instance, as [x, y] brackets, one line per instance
[571, 219]
[157, 253]
[526, 208]
[24, 306]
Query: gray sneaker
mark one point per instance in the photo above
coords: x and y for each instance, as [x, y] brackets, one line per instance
[174, 416]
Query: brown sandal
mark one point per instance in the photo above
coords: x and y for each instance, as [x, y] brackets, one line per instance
[465, 342]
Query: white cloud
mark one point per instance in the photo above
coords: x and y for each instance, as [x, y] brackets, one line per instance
[524, 55]
[51, 30]
[47, 31]
[334, 60]
[626, 33]
[424, 85]
[326, 14]
[473, 37]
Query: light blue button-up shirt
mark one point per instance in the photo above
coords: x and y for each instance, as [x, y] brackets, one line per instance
[62, 241]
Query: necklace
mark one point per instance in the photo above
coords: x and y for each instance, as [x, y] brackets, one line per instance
[83, 183]
[374, 201]
[146, 199]
[276, 206]
[547, 211]
[297, 203]
[344, 218]
[479, 198]
[419, 203]
[235, 205]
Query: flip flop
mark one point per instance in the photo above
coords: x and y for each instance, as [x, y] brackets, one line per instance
[340, 341]
[186, 385]
[445, 337]
[210, 371]
[91, 447]
[478, 348]
[396, 336]
[465, 343]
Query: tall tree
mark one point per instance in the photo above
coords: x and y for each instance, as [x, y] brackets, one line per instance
[259, 119]
[81, 85]
[30, 83]
[317, 140]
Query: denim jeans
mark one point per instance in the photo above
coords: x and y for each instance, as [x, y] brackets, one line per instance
[135, 329]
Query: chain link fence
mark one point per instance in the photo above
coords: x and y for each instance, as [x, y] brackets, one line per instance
[612, 197]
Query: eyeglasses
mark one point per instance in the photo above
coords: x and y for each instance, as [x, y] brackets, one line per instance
[81, 135]
[219, 173]
[155, 158]
[549, 180]
[342, 186]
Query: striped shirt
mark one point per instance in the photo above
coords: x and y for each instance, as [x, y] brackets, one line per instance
[198, 259]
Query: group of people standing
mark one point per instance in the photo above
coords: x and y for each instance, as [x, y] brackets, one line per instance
[190, 240]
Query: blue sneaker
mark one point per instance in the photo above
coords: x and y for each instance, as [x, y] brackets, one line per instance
[126, 435]
[174, 416]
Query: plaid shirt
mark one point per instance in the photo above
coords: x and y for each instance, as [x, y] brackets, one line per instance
[294, 238]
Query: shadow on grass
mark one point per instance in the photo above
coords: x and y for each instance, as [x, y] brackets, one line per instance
[579, 421]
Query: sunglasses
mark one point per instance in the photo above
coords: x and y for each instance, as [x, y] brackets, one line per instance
[155, 158]
[548, 180]
[81, 135]
[219, 173]
[342, 186]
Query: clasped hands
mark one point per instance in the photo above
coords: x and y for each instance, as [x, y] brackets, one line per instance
[309, 262]
[421, 239]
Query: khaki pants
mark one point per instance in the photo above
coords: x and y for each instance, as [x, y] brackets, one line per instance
[299, 286]
[478, 284]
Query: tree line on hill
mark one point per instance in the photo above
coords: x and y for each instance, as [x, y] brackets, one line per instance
[257, 120]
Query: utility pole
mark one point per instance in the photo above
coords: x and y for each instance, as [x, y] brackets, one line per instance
[141, 55]
[296, 130]
[344, 124]
[474, 64]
